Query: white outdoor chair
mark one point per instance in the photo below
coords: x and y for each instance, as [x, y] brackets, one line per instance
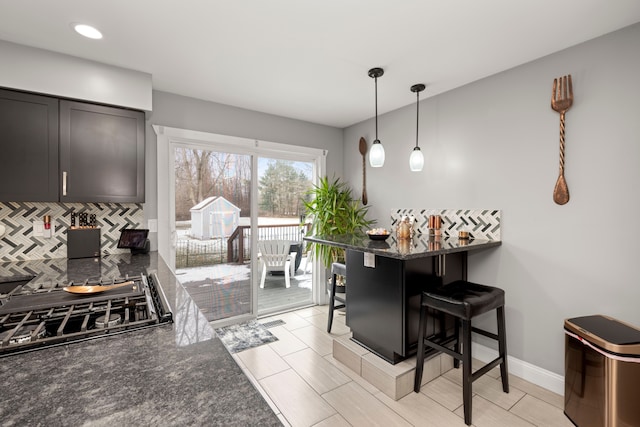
[309, 259]
[275, 256]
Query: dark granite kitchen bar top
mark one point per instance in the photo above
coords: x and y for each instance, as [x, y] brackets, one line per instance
[168, 375]
[417, 247]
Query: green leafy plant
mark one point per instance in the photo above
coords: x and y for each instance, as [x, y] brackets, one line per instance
[334, 211]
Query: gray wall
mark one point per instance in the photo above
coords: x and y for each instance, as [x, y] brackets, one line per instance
[53, 73]
[194, 114]
[494, 144]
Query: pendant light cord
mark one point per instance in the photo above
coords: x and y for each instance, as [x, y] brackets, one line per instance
[376, 84]
[417, 115]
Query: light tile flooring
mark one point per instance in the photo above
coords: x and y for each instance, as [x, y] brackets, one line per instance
[306, 386]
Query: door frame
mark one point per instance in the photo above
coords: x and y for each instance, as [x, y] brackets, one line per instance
[169, 137]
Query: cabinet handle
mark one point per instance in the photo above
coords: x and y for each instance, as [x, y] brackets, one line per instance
[64, 183]
[441, 266]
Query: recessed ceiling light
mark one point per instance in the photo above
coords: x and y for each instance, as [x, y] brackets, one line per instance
[87, 31]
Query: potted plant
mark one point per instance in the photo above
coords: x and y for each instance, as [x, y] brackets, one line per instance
[334, 211]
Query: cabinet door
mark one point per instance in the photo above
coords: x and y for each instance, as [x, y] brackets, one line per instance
[101, 153]
[29, 147]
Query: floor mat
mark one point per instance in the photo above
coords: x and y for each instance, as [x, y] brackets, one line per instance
[244, 336]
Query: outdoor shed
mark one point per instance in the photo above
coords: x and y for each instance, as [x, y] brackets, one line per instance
[214, 217]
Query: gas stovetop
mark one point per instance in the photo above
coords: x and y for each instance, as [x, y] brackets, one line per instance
[36, 315]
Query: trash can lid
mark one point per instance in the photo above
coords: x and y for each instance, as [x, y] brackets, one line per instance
[607, 333]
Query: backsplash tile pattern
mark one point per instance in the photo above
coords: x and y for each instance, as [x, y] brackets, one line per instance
[19, 244]
[480, 223]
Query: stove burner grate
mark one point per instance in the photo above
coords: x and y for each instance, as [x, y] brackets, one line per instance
[37, 320]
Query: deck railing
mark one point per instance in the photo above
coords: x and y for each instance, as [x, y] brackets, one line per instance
[239, 249]
[235, 248]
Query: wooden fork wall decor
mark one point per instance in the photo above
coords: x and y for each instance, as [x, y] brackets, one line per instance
[561, 100]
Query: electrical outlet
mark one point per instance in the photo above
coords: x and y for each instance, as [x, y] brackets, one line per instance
[38, 228]
[152, 225]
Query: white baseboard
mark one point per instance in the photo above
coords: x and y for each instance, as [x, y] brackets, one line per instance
[538, 376]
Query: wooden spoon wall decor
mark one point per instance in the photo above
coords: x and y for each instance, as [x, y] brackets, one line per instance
[363, 150]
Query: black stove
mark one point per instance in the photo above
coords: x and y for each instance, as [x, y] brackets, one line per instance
[42, 314]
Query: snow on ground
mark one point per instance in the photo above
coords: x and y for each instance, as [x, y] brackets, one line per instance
[230, 272]
[212, 272]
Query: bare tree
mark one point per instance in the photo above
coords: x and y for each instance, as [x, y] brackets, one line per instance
[204, 173]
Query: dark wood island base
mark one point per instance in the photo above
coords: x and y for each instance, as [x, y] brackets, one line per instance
[385, 281]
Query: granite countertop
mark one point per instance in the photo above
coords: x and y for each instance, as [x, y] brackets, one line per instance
[418, 247]
[173, 374]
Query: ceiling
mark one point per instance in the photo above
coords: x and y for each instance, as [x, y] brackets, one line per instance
[308, 60]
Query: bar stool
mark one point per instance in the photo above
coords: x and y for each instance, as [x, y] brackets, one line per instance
[336, 269]
[463, 300]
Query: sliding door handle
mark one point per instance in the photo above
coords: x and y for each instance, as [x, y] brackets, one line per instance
[64, 183]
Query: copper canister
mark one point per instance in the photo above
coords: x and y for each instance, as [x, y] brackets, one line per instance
[435, 222]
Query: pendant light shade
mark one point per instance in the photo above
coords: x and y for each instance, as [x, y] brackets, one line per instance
[416, 160]
[376, 155]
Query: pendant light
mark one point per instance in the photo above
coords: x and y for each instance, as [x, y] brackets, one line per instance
[376, 155]
[416, 160]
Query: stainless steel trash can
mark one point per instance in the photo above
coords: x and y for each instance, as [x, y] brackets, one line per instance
[602, 372]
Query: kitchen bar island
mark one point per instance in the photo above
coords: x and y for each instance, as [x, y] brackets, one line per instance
[385, 280]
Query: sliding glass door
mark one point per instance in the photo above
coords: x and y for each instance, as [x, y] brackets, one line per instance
[212, 220]
[282, 188]
[226, 195]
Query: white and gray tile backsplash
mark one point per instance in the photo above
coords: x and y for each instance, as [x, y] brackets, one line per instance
[480, 223]
[20, 244]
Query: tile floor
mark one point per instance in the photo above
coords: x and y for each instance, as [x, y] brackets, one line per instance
[306, 386]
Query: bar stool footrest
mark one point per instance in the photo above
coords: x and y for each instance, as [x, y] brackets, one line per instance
[485, 333]
[486, 368]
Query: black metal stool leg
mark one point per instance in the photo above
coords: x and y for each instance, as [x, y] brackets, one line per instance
[420, 355]
[332, 302]
[467, 379]
[456, 347]
[502, 348]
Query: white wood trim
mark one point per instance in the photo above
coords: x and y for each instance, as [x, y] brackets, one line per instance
[534, 374]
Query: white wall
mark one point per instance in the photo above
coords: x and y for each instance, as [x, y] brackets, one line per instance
[43, 71]
[494, 144]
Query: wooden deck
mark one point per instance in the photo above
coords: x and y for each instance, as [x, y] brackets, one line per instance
[223, 290]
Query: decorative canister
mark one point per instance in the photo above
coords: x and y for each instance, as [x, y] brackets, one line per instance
[403, 230]
[435, 243]
[435, 222]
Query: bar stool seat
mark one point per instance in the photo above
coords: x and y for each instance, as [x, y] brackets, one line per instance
[337, 268]
[463, 300]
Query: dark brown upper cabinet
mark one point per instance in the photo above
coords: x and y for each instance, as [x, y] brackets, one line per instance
[69, 151]
[101, 153]
[28, 147]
